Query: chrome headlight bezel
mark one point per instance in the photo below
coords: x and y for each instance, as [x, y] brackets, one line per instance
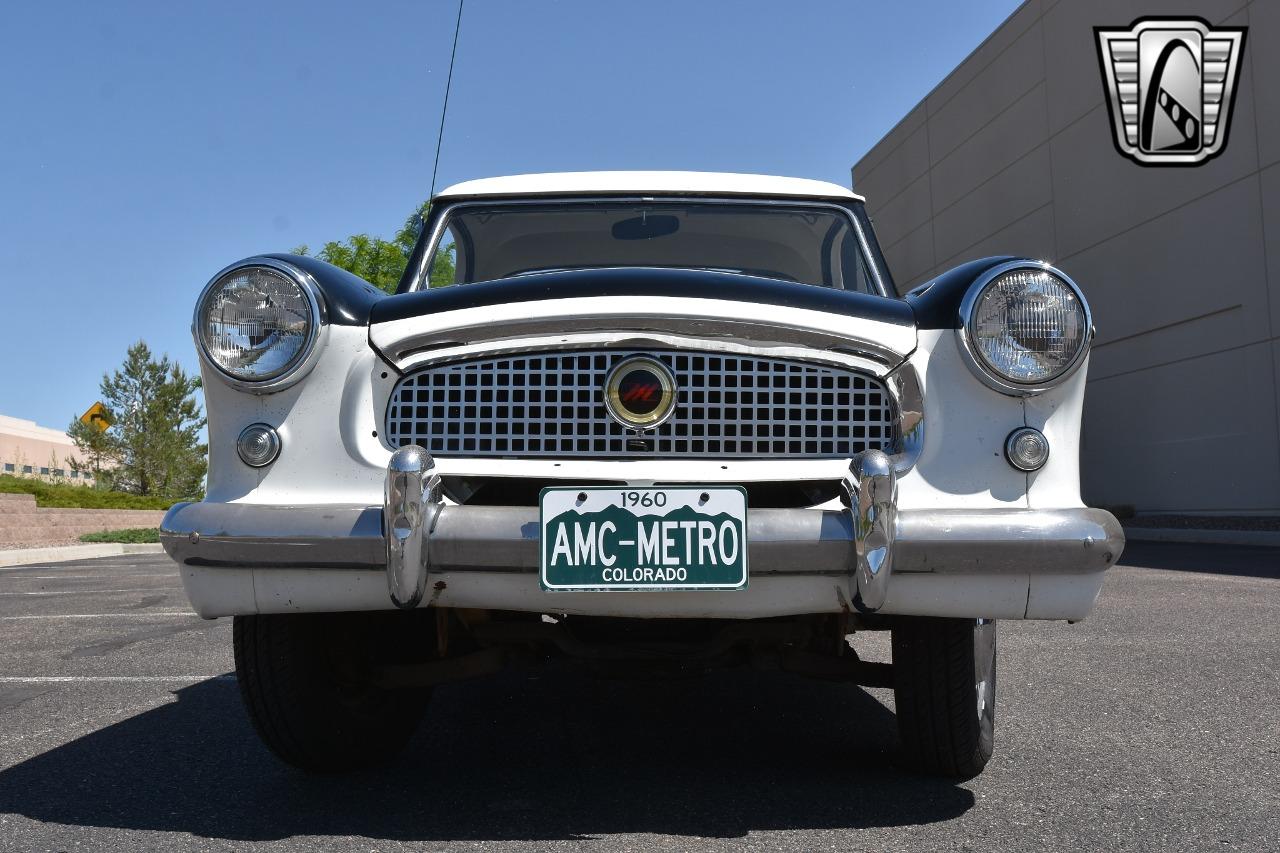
[302, 362]
[979, 365]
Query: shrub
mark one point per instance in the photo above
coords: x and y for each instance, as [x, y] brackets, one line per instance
[132, 535]
[68, 496]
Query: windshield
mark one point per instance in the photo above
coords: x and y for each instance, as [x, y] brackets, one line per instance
[808, 245]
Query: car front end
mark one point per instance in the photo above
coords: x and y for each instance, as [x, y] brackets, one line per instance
[496, 451]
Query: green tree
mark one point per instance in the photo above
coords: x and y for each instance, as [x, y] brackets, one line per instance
[381, 262]
[153, 443]
[97, 445]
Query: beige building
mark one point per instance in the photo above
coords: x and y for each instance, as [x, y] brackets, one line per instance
[30, 450]
[1013, 153]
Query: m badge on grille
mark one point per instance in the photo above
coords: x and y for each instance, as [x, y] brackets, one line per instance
[640, 392]
[1171, 83]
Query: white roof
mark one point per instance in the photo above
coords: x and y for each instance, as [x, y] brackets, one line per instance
[645, 183]
[20, 428]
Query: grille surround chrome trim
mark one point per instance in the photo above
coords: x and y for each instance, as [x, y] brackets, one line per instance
[811, 411]
[839, 354]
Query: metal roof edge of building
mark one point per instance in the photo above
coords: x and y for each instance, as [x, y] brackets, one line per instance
[31, 429]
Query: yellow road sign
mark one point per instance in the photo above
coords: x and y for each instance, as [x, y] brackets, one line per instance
[97, 416]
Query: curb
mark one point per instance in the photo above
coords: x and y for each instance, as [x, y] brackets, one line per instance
[1255, 538]
[62, 553]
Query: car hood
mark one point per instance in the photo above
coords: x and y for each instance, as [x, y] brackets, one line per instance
[650, 306]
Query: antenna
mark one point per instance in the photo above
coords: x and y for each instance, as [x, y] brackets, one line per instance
[444, 110]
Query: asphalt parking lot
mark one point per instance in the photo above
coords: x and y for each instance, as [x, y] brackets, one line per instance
[1153, 725]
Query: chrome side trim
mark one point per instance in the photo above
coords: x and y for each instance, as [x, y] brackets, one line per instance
[437, 229]
[311, 349]
[411, 505]
[871, 490]
[783, 541]
[965, 330]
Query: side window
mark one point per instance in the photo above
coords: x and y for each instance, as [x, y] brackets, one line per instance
[444, 265]
[853, 266]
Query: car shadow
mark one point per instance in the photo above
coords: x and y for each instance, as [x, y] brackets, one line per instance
[551, 754]
[1241, 560]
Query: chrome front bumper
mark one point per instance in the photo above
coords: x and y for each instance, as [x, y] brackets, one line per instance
[415, 535]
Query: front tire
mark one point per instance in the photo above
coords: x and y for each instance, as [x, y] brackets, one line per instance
[307, 681]
[945, 692]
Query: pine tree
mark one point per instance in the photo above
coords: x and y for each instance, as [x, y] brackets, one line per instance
[97, 446]
[153, 444]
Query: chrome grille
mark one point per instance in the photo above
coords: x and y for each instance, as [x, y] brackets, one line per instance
[552, 404]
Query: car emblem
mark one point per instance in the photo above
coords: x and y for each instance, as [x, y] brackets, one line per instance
[640, 392]
[1171, 83]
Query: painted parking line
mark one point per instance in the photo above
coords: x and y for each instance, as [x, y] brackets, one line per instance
[93, 591]
[112, 679]
[167, 614]
[53, 567]
[87, 577]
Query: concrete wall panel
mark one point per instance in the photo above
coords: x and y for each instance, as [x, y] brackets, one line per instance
[1148, 434]
[1270, 194]
[1158, 346]
[889, 143]
[989, 51]
[1003, 140]
[1031, 237]
[1142, 280]
[1262, 50]
[906, 163]
[1017, 191]
[912, 255]
[1071, 60]
[993, 90]
[1098, 193]
[906, 211]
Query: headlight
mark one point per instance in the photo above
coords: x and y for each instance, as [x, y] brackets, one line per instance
[258, 322]
[1025, 327]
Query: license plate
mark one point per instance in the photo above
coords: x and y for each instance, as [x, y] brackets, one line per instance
[648, 538]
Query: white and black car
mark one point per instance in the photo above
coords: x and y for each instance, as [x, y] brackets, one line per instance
[652, 421]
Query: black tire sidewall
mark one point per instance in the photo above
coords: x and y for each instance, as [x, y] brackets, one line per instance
[307, 681]
[946, 724]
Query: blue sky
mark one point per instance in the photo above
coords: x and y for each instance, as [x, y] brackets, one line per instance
[143, 147]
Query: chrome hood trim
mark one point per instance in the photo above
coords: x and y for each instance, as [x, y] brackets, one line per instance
[717, 325]
[717, 308]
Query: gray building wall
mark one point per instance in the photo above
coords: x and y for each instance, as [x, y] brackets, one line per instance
[1013, 154]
